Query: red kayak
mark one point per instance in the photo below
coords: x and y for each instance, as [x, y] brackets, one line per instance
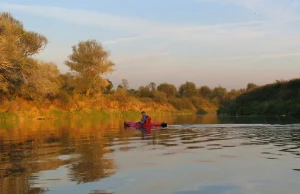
[134, 124]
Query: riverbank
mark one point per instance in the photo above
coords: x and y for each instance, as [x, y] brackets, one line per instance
[87, 113]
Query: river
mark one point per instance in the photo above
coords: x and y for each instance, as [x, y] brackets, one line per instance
[194, 154]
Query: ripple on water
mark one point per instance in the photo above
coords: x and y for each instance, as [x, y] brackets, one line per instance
[108, 159]
[194, 147]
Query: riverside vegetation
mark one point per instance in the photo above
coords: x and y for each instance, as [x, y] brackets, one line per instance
[280, 98]
[30, 87]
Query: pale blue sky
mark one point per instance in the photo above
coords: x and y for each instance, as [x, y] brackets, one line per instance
[210, 42]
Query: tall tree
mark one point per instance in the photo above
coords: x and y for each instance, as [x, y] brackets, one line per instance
[90, 61]
[125, 84]
[152, 87]
[16, 46]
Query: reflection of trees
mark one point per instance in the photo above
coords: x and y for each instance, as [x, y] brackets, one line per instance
[23, 146]
[257, 119]
[16, 170]
[186, 119]
[19, 184]
[92, 165]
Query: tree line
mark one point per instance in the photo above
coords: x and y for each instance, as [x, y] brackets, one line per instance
[22, 77]
[279, 98]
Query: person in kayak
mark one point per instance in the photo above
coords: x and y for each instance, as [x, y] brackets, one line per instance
[145, 118]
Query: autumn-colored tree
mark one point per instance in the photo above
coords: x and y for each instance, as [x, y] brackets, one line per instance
[121, 95]
[160, 97]
[169, 89]
[42, 81]
[90, 61]
[109, 87]
[68, 82]
[16, 46]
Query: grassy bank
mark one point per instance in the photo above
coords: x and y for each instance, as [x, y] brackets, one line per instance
[78, 106]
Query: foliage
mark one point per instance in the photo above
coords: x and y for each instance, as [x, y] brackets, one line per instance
[169, 89]
[279, 98]
[205, 92]
[109, 87]
[16, 45]
[160, 97]
[125, 84]
[36, 86]
[144, 92]
[42, 81]
[90, 61]
[188, 89]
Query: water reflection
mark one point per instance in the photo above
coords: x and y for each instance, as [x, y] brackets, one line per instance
[43, 146]
[41, 156]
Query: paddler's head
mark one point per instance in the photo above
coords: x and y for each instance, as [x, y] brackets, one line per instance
[143, 113]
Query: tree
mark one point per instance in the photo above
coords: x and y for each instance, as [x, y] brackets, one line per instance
[169, 89]
[220, 93]
[144, 92]
[90, 61]
[43, 81]
[125, 84]
[233, 94]
[160, 97]
[205, 91]
[16, 46]
[121, 95]
[152, 87]
[188, 90]
[251, 86]
[109, 87]
[68, 81]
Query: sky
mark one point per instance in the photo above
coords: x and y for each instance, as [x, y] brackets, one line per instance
[209, 42]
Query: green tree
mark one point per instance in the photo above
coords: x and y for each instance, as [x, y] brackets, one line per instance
[188, 89]
[220, 93]
[144, 92]
[205, 91]
[90, 61]
[233, 94]
[169, 89]
[251, 86]
[152, 87]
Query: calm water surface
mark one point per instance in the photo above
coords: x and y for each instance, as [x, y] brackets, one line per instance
[195, 154]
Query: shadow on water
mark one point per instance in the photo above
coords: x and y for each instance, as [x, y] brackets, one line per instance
[81, 151]
[258, 120]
